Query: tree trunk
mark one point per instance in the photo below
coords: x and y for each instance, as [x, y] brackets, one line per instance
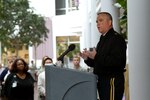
[35, 47]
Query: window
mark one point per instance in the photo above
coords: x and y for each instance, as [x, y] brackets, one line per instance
[73, 5]
[63, 42]
[63, 6]
[60, 7]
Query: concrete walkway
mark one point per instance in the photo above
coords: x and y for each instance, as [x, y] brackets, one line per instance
[35, 92]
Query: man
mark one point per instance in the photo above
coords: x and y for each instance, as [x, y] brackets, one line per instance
[108, 59]
[76, 64]
[5, 73]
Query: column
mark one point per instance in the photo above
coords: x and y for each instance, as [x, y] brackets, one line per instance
[30, 49]
[139, 49]
[85, 39]
[95, 35]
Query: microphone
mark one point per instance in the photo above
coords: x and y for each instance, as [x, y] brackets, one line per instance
[70, 48]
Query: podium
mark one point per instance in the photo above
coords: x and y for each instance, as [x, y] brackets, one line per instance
[69, 84]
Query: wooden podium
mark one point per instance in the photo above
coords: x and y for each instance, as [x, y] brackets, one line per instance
[69, 84]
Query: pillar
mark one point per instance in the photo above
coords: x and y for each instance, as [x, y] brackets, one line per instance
[85, 43]
[95, 35]
[139, 49]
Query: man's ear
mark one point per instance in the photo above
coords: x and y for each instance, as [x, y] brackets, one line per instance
[110, 22]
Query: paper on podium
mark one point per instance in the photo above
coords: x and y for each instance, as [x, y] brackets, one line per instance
[69, 84]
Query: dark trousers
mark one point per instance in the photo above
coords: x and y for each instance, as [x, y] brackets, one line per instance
[111, 87]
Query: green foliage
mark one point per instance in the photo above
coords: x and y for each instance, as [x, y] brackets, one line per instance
[123, 3]
[123, 17]
[19, 25]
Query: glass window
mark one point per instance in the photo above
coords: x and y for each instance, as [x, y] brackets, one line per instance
[60, 7]
[63, 6]
[73, 5]
[62, 43]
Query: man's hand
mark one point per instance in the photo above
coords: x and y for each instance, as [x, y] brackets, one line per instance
[86, 53]
[92, 53]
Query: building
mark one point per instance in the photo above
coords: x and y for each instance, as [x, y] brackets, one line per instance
[73, 21]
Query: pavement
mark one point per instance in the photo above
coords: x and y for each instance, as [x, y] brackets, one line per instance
[35, 91]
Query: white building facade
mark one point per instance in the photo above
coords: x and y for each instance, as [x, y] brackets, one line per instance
[73, 21]
[82, 23]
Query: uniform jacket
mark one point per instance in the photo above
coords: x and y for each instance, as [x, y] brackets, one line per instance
[111, 54]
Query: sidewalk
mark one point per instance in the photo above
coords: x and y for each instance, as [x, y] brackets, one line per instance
[35, 92]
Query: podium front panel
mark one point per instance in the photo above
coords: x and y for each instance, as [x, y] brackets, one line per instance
[69, 84]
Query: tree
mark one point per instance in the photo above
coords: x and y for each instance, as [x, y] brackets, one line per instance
[20, 25]
[122, 4]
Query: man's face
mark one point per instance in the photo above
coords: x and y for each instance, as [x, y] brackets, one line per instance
[76, 61]
[103, 23]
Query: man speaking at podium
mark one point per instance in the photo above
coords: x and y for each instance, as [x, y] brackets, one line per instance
[108, 59]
